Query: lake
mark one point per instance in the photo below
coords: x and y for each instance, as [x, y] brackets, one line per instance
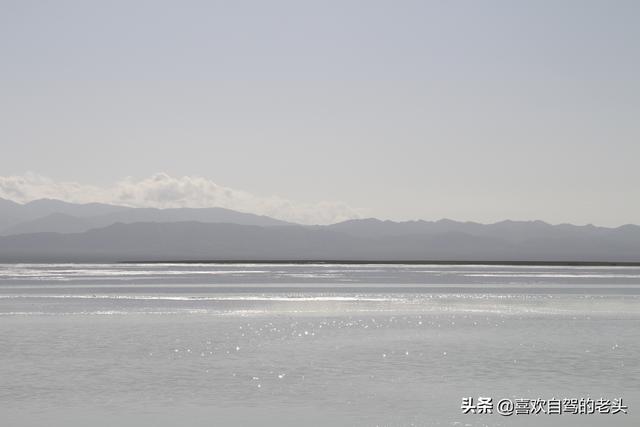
[315, 344]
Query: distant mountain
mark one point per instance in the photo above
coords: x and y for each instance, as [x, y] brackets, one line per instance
[42, 207]
[55, 222]
[372, 227]
[52, 230]
[188, 214]
[56, 216]
[12, 213]
[222, 241]
[511, 231]
[175, 240]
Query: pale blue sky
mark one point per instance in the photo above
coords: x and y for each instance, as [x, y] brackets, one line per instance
[473, 110]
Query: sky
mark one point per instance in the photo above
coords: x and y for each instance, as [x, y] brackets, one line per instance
[327, 110]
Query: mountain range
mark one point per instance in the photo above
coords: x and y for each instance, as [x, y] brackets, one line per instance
[46, 215]
[52, 230]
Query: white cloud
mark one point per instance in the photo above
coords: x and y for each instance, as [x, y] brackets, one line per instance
[164, 191]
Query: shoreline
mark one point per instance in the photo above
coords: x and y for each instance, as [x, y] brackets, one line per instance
[401, 262]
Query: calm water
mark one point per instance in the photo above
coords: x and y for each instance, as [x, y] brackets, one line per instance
[272, 345]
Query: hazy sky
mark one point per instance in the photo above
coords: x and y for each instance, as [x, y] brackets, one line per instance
[472, 110]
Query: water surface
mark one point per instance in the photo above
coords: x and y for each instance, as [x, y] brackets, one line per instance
[312, 344]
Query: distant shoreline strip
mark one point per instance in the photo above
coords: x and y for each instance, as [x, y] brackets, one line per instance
[409, 262]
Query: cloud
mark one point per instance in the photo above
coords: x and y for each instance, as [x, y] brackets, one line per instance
[164, 191]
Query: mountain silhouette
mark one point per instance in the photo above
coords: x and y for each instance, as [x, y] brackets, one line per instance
[184, 241]
[47, 215]
[53, 230]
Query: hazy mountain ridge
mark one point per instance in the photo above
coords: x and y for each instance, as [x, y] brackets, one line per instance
[60, 231]
[47, 215]
[222, 241]
[514, 231]
[12, 213]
